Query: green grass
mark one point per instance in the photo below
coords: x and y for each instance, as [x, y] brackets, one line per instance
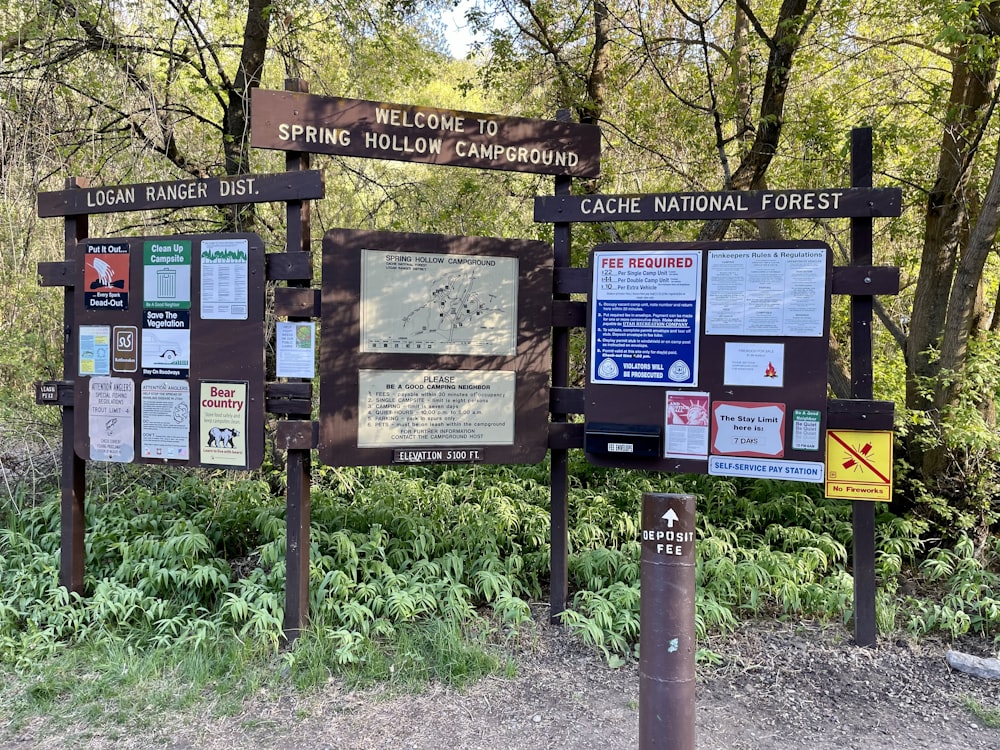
[989, 716]
[109, 683]
[417, 654]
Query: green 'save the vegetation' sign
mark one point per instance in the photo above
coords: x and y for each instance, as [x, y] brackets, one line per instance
[292, 121]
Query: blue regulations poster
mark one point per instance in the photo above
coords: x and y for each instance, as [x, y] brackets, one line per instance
[645, 317]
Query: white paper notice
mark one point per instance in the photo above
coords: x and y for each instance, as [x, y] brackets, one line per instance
[766, 292]
[754, 364]
[296, 355]
[95, 350]
[748, 429]
[111, 419]
[687, 425]
[224, 279]
[403, 408]
[165, 421]
[438, 304]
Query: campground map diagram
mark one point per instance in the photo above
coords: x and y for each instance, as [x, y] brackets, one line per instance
[455, 307]
[438, 303]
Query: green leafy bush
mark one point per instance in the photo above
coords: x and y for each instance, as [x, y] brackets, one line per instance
[407, 561]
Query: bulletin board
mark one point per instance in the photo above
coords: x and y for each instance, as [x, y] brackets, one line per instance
[709, 358]
[170, 350]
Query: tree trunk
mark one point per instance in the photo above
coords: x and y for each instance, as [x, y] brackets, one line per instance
[597, 81]
[792, 24]
[965, 308]
[963, 321]
[945, 226]
[236, 119]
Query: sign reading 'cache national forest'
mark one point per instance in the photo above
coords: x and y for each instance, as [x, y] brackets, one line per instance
[292, 121]
[733, 204]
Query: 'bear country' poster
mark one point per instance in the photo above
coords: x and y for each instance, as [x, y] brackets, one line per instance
[222, 423]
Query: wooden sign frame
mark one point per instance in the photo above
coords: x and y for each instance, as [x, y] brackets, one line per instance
[343, 365]
[294, 121]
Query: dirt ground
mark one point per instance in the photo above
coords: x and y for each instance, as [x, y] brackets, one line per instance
[780, 687]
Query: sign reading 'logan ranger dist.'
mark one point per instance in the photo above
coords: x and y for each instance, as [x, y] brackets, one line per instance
[291, 121]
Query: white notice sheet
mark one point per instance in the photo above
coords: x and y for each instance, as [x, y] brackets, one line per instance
[224, 279]
[766, 292]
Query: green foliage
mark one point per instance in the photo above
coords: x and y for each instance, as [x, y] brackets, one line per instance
[967, 26]
[772, 549]
[199, 560]
[965, 588]
[763, 549]
[415, 572]
[107, 681]
[961, 496]
[405, 657]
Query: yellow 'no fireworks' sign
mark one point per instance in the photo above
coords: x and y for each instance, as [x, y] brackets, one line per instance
[859, 465]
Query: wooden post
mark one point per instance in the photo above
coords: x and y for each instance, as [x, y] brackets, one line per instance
[74, 469]
[863, 515]
[559, 457]
[298, 460]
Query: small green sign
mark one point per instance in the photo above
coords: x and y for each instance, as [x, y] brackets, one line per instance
[805, 429]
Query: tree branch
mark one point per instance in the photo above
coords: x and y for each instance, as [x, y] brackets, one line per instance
[793, 22]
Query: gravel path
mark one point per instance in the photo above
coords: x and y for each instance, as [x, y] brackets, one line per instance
[780, 687]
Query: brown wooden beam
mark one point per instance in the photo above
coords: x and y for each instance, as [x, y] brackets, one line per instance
[292, 302]
[56, 273]
[54, 393]
[865, 280]
[569, 314]
[207, 191]
[862, 309]
[291, 266]
[567, 400]
[566, 435]
[572, 280]
[860, 414]
[296, 434]
[73, 479]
